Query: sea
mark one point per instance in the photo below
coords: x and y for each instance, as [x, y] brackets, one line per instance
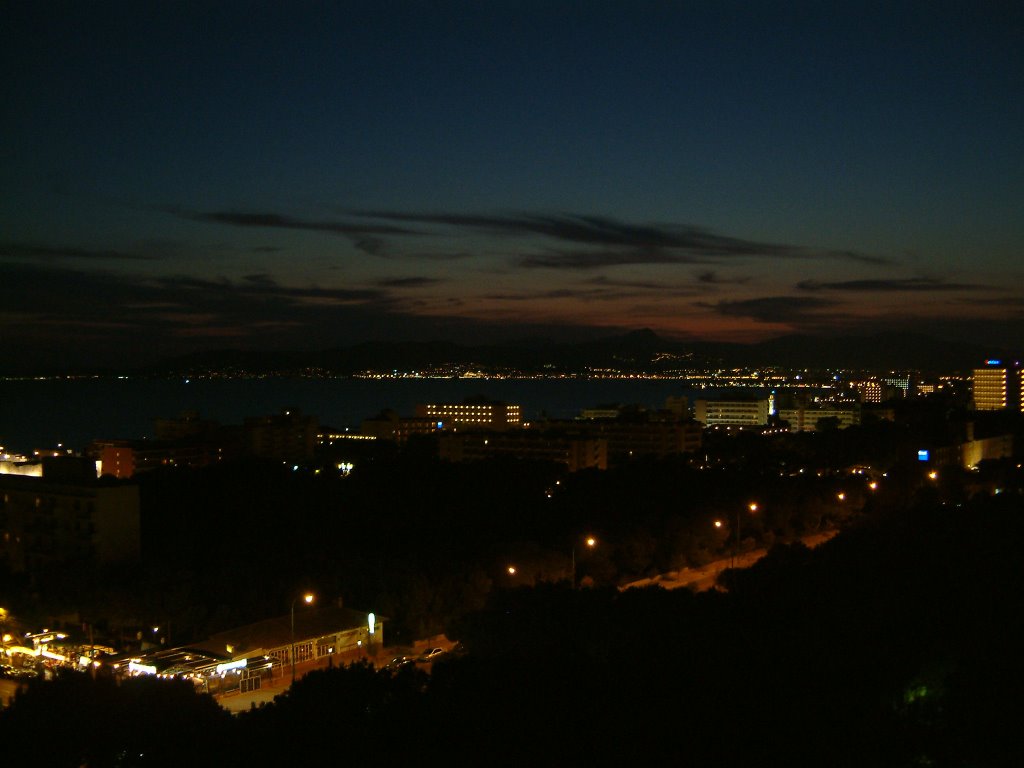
[42, 414]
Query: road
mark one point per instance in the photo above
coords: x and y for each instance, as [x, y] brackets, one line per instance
[7, 689]
[703, 578]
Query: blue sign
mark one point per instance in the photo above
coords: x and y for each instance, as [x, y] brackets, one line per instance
[922, 455]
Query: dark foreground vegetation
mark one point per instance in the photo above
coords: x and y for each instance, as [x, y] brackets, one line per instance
[898, 643]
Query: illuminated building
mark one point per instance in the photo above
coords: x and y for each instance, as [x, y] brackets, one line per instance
[244, 658]
[388, 425]
[997, 386]
[67, 517]
[972, 449]
[869, 391]
[745, 412]
[900, 384]
[477, 413]
[806, 418]
[126, 458]
[319, 633]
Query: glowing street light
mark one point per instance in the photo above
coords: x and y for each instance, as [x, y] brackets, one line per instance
[591, 542]
[511, 570]
[718, 523]
[752, 508]
[308, 600]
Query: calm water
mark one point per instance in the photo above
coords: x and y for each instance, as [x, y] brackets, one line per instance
[41, 414]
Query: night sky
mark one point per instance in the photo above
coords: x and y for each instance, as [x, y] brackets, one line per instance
[180, 176]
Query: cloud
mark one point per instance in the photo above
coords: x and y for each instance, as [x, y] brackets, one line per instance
[54, 318]
[263, 219]
[264, 288]
[587, 260]
[713, 278]
[24, 251]
[778, 309]
[371, 246]
[588, 294]
[887, 285]
[408, 282]
[864, 258]
[606, 241]
[621, 242]
[641, 284]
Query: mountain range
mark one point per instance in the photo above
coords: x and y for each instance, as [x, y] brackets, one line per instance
[637, 351]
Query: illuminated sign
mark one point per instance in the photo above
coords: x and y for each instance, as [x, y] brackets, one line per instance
[229, 665]
[993, 362]
[371, 622]
[135, 666]
[922, 455]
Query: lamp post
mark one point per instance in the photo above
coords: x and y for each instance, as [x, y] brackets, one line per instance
[591, 542]
[307, 599]
[752, 506]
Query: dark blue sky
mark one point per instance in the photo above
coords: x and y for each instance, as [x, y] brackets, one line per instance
[187, 175]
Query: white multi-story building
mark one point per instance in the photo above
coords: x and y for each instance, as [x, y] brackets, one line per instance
[749, 412]
[806, 418]
[477, 414]
[997, 386]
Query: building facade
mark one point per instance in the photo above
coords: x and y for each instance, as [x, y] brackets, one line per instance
[286, 436]
[45, 522]
[474, 413]
[806, 418]
[746, 412]
[997, 387]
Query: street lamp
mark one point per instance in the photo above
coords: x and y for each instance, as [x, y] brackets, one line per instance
[591, 542]
[307, 599]
[752, 506]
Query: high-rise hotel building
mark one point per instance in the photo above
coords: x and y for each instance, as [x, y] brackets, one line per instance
[476, 413]
[997, 386]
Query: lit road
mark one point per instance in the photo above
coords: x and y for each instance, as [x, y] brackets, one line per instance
[702, 578]
[7, 689]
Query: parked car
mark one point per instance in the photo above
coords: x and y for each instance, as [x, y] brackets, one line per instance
[398, 662]
[18, 673]
[430, 654]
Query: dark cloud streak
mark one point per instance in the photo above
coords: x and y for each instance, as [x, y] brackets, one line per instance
[778, 309]
[630, 243]
[279, 221]
[23, 251]
[889, 285]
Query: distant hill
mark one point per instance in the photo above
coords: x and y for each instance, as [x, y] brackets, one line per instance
[641, 350]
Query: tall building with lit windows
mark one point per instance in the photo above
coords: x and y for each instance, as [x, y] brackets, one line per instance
[736, 412]
[474, 413]
[997, 386]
